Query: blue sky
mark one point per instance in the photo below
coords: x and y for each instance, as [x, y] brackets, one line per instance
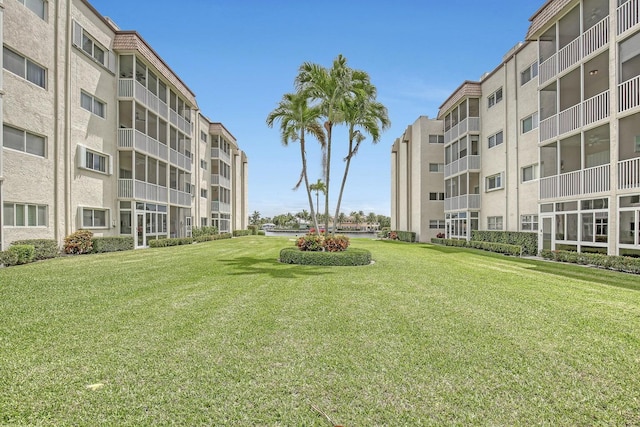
[239, 58]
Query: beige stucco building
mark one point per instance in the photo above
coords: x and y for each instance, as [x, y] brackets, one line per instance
[549, 141]
[99, 133]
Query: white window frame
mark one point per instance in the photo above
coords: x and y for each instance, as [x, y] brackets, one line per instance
[495, 139]
[436, 139]
[203, 136]
[529, 222]
[529, 73]
[436, 224]
[87, 159]
[83, 209]
[494, 98]
[436, 196]
[27, 70]
[436, 167]
[29, 211]
[494, 223]
[81, 39]
[204, 193]
[41, 13]
[534, 173]
[533, 119]
[93, 104]
[204, 164]
[26, 138]
[497, 180]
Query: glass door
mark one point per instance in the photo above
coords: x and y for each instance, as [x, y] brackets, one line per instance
[140, 231]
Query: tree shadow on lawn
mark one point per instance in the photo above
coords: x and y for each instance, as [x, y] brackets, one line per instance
[572, 271]
[271, 267]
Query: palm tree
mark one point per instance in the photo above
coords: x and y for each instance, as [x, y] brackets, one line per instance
[254, 218]
[318, 187]
[357, 218]
[362, 113]
[342, 218]
[371, 219]
[297, 118]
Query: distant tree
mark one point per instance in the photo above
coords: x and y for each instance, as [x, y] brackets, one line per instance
[318, 187]
[372, 218]
[254, 219]
[357, 218]
[384, 221]
[342, 218]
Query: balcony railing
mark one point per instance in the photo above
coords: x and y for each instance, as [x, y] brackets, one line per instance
[180, 198]
[629, 174]
[217, 153]
[140, 190]
[467, 201]
[589, 42]
[590, 111]
[470, 124]
[179, 160]
[220, 207]
[629, 94]
[220, 180]
[130, 88]
[462, 165]
[131, 138]
[628, 15]
[179, 122]
[576, 183]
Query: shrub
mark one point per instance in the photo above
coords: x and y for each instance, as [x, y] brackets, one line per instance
[405, 236]
[528, 241]
[261, 233]
[44, 248]
[336, 243]
[253, 229]
[239, 233]
[310, 242]
[393, 235]
[112, 244]
[440, 235]
[501, 248]
[175, 241]
[19, 254]
[212, 237]
[384, 233]
[8, 258]
[618, 263]
[352, 256]
[78, 243]
[204, 231]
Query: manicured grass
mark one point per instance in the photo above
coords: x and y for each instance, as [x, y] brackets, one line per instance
[220, 333]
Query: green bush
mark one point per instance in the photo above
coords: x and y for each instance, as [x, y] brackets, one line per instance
[528, 241]
[240, 233]
[204, 231]
[20, 254]
[618, 263]
[352, 256]
[501, 248]
[78, 243]
[405, 236]
[175, 241]
[261, 233]
[8, 258]
[211, 237]
[44, 248]
[112, 244]
[384, 233]
[337, 243]
[310, 243]
[253, 229]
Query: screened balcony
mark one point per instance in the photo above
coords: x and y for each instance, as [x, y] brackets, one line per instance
[628, 15]
[629, 152]
[629, 74]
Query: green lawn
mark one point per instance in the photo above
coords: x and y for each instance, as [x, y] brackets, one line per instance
[220, 333]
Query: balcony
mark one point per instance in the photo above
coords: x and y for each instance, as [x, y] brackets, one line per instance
[470, 124]
[628, 16]
[467, 201]
[180, 198]
[130, 88]
[462, 165]
[629, 174]
[140, 190]
[179, 160]
[220, 180]
[589, 42]
[629, 94]
[220, 207]
[180, 122]
[131, 138]
[576, 183]
[216, 153]
[590, 111]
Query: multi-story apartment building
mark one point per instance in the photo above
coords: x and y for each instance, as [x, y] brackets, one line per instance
[417, 188]
[98, 133]
[550, 140]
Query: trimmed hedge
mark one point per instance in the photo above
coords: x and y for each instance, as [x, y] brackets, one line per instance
[204, 231]
[618, 263]
[240, 233]
[528, 241]
[44, 248]
[20, 254]
[352, 256]
[210, 237]
[261, 233]
[405, 236]
[254, 229]
[501, 248]
[112, 244]
[175, 241]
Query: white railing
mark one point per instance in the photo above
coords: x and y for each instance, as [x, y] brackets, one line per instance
[125, 188]
[628, 15]
[569, 119]
[629, 94]
[163, 109]
[596, 108]
[149, 145]
[220, 180]
[576, 183]
[220, 207]
[467, 201]
[180, 198]
[470, 124]
[462, 165]
[629, 174]
[179, 159]
[474, 124]
[569, 55]
[595, 37]
[125, 138]
[548, 128]
[135, 189]
[548, 69]
[125, 88]
[216, 153]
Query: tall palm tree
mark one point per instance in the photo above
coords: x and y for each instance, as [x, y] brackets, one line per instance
[372, 219]
[342, 218]
[361, 113]
[296, 119]
[318, 187]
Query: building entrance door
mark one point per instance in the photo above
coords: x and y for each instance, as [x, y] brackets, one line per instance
[140, 232]
[547, 232]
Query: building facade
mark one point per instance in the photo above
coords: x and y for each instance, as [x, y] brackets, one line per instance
[549, 141]
[100, 134]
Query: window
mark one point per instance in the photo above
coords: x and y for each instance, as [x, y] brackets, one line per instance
[94, 218]
[495, 139]
[529, 222]
[203, 164]
[92, 104]
[23, 67]
[436, 139]
[203, 193]
[436, 196]
[530, 123]
[529, 173]
[529, 73]
[203, 222]
[494, 223]
[494, 182]
[436, 223]
[17, 139]
[436, 167]
[36, 6]
[203, 137]
[86, 43]
[24, 215]
[494, 98]
[88, 159]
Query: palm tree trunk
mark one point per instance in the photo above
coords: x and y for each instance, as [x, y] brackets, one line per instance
[344, 180]
[306, 183]
[329, 126]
